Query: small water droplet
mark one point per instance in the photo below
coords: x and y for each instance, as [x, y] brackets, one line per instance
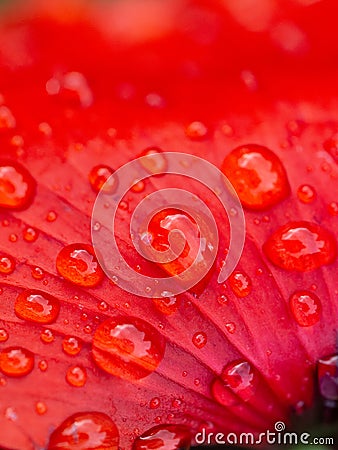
[199, 339]
[128, 347]
[47, 336]
[306, 193]
[138, 186]
[222, 299]
[301, 246]
[71, 345]
[230, 327]
[306, 308]
[37, 306]
[16, 361]
[86, 430]
[240, 283]
[99, 176]
[7, 264]
[333, 209]
[3, 335]
[77, 263]
[12, 237]
[123, 205]
[153, 161]
[51, 216]
[257, 175]
[196, 130]
[7, 120]
[76, 376]
[37, 273]
[40, 408]
[102, 306]
[30, 234]
[154, 403]
[17, 186]
[45, 129]
[88, 329]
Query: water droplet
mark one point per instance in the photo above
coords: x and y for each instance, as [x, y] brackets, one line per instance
[154, 403]
[176, 403]
[37, 273]
[71, 345]
[153, 161]
[88, 329]
[164, 437]
[40, 408]
[71, 88]
[199, 339]
[257, 175]
[30, 234]
[222, 299]
[51, 216]
[12, 237]
[327, 377]
[196, 130]
[123, 205]
[306, 308]
[85, 430]
[102, 306]
[7, 264]
[333, 209]
[306, 193]
[98, 177]
[37, 306]
[240, 283]
[16, 361]
[300, 246]
[77, 263]
[45, 129]
[7, 120]
[47, 336]
[76, 376]
[167, 305]
[3, 335]
[138, 186]
[43, 365]
[128, 347]
[230, 327]
[17, 186]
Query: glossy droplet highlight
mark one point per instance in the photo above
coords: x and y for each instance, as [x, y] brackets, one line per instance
[153, 161]
[306, 193]
[7, 120]
[99, 176]
[16, 361]
[85, 430]
[3, 335]
[71, 88]
[30, 234]
[47, 336]
[240, 284]
[199, 339]
[37, 273]
[7, 264]
[257, 175]
[301, 246]
[77, 263]
[17, 186]
[306, 308]
[76, 376]
[164, 437]
[328, 376]
[167, 305]
[37, 306]
[196, 130]
[71, 345]
[128, 347]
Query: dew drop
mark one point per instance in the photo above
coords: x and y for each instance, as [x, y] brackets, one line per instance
[164, 437]
[71, 345]
[43, 365]
[37, 306]
[230, 327]
[12, 237]
[128, 347]
[30, 234]
[51, 216]
[331, 146]
[196, 130]
[167, 305]
[37, 273]
[222, 299]
[257, 175]
[88, 329]
[7, 120]
[99, 176]
[327, 377]
[154, 403]
[76, 376]
[199, 339]
[77, 263]
[306, 193]
[7, 264]
[85, 430]
[17, 186]
[71, 88]
[16, 361]
[138, 187]
[40, 408]
[47, 336]
[102, 306]
[240, 283]
[306, 308]
[301, 246]
[153, 161]
[333, 209]
[3, 335]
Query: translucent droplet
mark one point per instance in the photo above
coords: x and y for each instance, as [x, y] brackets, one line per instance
[301, 246]
[30, 234]
[43, 365]
[240, 283]
[199, 339]
[7, 264]
[40, 408]
[3, 335]
[306, 193]
[77, 263]
[333, 209]
[71, 88]
[306, 308]
[71, 345]
[154, 162]
[98, 177]
[196, 130]
[257, 175]
[47, 336]
[230, 327]
[128, 347]
[37, 273]
[37, 306]
[7, 120]
[76, 376]
[17, 186]
[16, 361]
[85, 430]
[164, 437]
[167, 305]
[51, 216]
[154, 403]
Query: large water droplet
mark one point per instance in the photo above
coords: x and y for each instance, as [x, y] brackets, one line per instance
[257, 175]
[85, 430]
[301, 246]
[167, 305]
[30, 234]
[37, 306]
[16, 361]
[128, 347]
[77, 263]
[17, 186]
[305, 307]
[164, 437]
